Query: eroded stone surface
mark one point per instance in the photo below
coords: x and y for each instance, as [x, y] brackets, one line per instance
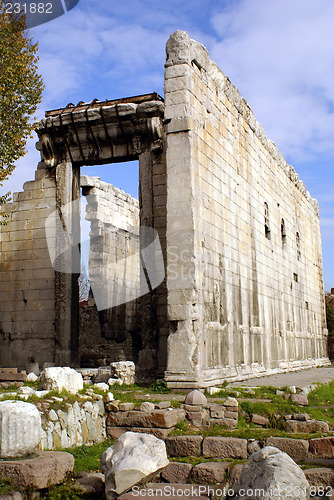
[48, 468]
[297, 449]
[133, 457]
[224, 447]
[20, 428]
[274, 472]
[57, 378]
[210, 472]
[176, 472]
[184, 446]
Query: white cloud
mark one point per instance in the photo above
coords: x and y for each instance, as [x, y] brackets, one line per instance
[280, 55]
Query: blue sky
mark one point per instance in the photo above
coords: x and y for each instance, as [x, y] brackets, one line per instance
[279, 54]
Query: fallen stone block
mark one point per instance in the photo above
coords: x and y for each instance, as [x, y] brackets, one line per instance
[176, 472]
[320, 476]
[162, 405]
[20, 428]
[157, 418]
[147, 406]
[322, 447]
[272, 470]
[116, 432]
[259, 420]
[210, 472]
[297, 449]
[300, 399]
[124, 370]
[224, 447]
[306, 426]
[126, 406]
[184, 446]
[57, 378]
[48, 468]
[133, 457]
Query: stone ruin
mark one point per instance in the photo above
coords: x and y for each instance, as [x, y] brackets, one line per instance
[243, 293]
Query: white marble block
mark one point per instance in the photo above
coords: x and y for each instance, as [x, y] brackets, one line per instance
[20, 429]
[57, 378]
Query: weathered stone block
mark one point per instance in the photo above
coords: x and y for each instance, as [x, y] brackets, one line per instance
[210, 472]
[322, 447]
[48, 468]
[176, 472]
[259, 420]
[224, 447]
[157, 418]
[59, 378]
[184, 446]
[297, 449]
[320, 476]
[20, 429]
[133, 457]
[306, 426]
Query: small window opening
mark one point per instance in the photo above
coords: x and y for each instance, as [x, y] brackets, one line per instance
[306, 304]
[283, 233]
[295, 277]
[299, 254]
[266, 221]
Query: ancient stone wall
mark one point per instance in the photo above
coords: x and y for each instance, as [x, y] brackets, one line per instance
[27, 294]
[243, 235]
[114, 262]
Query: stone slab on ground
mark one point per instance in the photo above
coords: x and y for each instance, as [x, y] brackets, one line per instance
[176, 472]
[320, 476]
[297, 449]
[225, 447]
[210, 472]
[184, 446]
[322, 447]
[46, 469]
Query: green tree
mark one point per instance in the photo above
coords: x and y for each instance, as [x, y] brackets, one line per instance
[20, 92]
[330, 317]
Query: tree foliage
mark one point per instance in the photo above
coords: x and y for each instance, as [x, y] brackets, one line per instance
[330, 313]
[20, 90]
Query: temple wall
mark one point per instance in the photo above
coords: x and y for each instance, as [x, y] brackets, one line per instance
[27, 279]
[242, 232]
[114, 264]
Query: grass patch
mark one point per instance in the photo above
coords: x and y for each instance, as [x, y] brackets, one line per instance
[160, 387]
[6, 486]
[87, 458]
